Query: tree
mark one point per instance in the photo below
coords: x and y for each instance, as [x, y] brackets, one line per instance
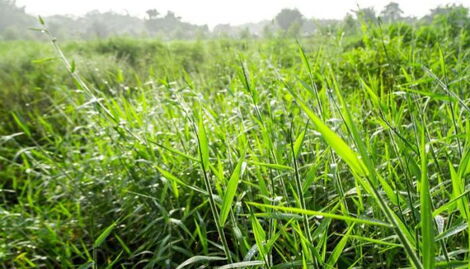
[244, 33]
[452, 18]
[391, 12]
[349, 23]
[152, 13]
[10, 14]
[287, 17]
[366, 14]
[170, 17]
[14, 20]
[98, 24]
[151, 23]
[99, 29]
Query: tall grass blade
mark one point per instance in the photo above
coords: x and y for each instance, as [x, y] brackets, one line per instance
[199, 259]
[339, 248]
[323, 214]
[102, 237]
[231, 191]
[336, 142]
[427, 221]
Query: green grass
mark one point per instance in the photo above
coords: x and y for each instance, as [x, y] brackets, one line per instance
[329, 152]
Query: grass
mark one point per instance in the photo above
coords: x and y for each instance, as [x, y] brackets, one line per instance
[339, 152]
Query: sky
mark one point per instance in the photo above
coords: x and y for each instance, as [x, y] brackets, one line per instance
[213, 12]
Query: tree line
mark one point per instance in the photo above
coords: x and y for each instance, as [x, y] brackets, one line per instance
[15, 22]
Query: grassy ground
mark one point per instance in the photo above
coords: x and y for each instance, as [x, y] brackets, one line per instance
[334, 152]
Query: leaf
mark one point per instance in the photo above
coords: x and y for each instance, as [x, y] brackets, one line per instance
[198, 259]
[427, 221]
[44, 60]
[72, 67]
[435, 96]
[335, 142]
[323, 214]
[288, 265]
[339, 248]
[298, 143]
[465, 165]
[104, 235]
[450, 205]
[174, 179]
[388, 190]
[452, 264]
[172, 150]
[203, 144]
[445, 88]
[87, 265]
[21, 125]
[111, 265]
[41, 20]
[36, 29]
[375, 99]
[260, 235]
[242, 264]
[457, 191]
[272, 165]
[452, 231]
[277, 215]
[123, 245]
[375, 241]
[231, 190]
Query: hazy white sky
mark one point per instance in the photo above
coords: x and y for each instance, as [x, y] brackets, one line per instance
[213, 12]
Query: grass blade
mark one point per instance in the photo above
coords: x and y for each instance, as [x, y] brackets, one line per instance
[427, 222]
[323, 214]
[199, 259]
[242, 264]
[231, 190]
[104, 235]
[335, 142]
[339, 248]
[203, 144]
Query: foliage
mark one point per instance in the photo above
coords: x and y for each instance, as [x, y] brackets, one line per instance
[451, 18]
[13, 19]
[392, 12]
[335, 151]
[287, 18]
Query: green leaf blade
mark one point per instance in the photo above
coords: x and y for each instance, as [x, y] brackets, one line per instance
[231, 191]
[102, 237]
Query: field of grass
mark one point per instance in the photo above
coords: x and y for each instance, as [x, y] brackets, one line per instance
[340, 151]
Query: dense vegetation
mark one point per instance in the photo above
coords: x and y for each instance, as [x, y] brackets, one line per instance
[336, 151]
